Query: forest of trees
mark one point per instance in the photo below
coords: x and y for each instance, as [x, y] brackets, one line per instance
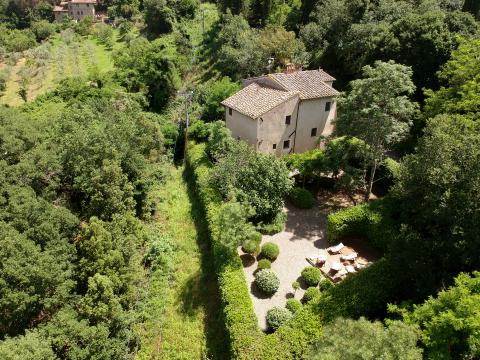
[79, 164]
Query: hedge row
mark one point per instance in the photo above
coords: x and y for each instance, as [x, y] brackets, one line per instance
[370, 221]
[363, 294]
[241, 323]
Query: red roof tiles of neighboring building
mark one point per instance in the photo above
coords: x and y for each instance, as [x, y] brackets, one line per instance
[83, 1]
[59, 8]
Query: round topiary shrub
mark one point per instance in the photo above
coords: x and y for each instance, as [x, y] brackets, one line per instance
[270, 251]
[301, 198]
[293, 305]
[251, 247]
[311, 275]
[267, 281]
[256, 236]
[310, 294]
[325, 284]
[277, 316]
[264, 264]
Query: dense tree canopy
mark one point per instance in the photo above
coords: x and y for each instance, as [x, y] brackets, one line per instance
[151, 68]
[344, 36]
[211, 94]
[449, 322]
[377, 110]
[258, 180]
[460, 77]
[82, 170]
[442, 180]
[363, 340]
[79, 152]
[244, 52]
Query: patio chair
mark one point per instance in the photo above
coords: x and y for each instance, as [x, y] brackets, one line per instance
[336, 266]
[336, 249]
[317, 260]
[350, 257]
[360, 266]
[350, 269]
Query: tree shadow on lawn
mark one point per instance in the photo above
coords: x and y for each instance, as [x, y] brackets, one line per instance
[191, 295]
[208, 295]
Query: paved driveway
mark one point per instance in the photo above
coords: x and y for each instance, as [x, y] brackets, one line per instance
[304, 235]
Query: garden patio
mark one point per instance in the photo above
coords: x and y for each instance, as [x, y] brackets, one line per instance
[304, 237]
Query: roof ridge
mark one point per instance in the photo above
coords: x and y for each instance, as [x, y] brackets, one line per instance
[270, 76]
[259, 99]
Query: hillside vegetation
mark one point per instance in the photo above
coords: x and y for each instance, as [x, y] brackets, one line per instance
[120, 228]
[40, 69]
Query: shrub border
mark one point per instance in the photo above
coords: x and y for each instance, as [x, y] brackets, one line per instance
[240, 320]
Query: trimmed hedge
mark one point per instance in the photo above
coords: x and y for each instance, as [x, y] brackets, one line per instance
[325, 284]
[371, 221]
[293, 305]
[240, 321]
[251, 247]
[273, 227]
[301, 198]
[363, 294]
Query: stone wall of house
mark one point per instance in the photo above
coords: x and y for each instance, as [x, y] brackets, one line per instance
[275, 136]
[242, 127]
[80, 10]
[313, 114]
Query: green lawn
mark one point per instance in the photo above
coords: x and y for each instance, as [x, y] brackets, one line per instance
[182, 311]
[63, 58]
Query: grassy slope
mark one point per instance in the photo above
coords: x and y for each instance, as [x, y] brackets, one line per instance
[66, 60]
[184, 318]
[183, 315]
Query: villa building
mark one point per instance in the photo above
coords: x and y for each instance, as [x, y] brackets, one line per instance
[76, 9]
[283, 112]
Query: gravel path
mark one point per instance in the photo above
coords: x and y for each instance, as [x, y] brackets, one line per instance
[304, 236]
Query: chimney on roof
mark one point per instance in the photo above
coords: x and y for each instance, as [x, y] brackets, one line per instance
[290, 68]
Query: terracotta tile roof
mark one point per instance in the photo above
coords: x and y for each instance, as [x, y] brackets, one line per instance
[59, 8]
[310, 84]
[255, 100]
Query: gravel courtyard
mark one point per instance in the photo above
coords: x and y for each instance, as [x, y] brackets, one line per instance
[304, 235]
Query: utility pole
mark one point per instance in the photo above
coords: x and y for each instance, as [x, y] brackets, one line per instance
[270, 63]
[188, 96]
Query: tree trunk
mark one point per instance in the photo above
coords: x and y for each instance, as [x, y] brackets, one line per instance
[370, 181]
